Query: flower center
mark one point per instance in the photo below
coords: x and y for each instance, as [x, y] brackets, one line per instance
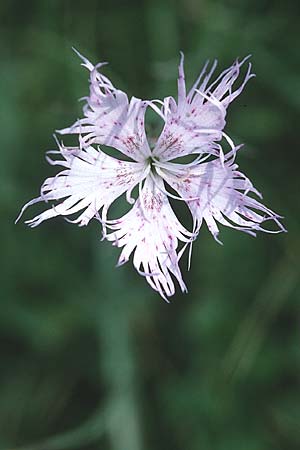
[152, 162]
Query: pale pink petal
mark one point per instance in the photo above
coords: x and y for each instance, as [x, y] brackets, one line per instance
[196, 122]
[151, 231]
[91, 180]
[217, 192]
[110, 119]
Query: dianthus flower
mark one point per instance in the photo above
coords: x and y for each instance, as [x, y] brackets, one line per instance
[211, 185]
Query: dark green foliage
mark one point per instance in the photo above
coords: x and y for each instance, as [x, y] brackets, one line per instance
[89, 353]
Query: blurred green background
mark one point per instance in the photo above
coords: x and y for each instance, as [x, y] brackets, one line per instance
[91, 357]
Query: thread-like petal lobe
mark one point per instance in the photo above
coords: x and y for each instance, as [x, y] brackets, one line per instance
[91, 180]
[217, 192]
[151, 231]
[196, 121]
[110, 118]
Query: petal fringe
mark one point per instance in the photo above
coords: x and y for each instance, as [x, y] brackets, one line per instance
[92, 180]
[110, 119]
[216, 192]
[151, 231]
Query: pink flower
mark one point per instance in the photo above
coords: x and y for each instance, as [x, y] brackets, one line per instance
[212, 187]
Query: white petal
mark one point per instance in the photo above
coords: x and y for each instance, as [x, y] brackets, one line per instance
[110, 119]
[182, 136]
[92, 180]
[219, 193]
[196, 122]
[151, 231]
[220, 91]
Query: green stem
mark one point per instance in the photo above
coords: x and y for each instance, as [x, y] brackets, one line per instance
[115, 313]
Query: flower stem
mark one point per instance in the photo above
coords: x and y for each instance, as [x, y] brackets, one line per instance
[116, 311]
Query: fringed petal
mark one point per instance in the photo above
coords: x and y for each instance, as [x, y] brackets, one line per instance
[110, 119]
[217, 192]
[151, 231]
[197, 121]
[92, 180]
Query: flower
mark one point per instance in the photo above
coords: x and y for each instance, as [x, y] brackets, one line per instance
[211, 185]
